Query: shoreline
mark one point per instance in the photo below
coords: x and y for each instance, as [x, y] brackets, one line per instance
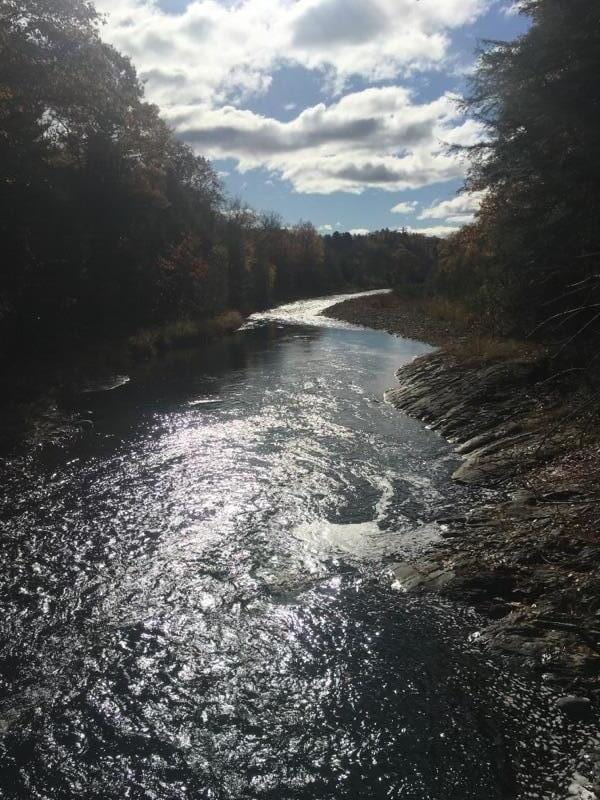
[430, 387]
[528, 558]
[32, 412]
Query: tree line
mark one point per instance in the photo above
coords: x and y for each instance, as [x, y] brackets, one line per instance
[530, 263]
[110, 223]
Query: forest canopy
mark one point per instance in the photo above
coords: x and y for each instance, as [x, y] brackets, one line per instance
[531, 261]
[110, 222]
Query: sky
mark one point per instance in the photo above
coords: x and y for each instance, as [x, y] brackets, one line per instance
[339, 112]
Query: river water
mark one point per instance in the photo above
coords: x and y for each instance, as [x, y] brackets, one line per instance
[196, 599]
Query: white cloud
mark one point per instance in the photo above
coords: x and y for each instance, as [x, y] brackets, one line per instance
[202, 65]
[376, 138]
[217, 52]
[325, 228]
[359, 231]
[460, 209]
[511, 10]
[404, 208]
[435, 230]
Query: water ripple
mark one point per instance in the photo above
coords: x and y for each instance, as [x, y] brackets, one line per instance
[195, 601]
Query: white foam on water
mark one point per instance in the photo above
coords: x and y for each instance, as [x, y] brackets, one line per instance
[204, 401]
[114, 382]
[308, 312]
[385, 485]
[364, 540]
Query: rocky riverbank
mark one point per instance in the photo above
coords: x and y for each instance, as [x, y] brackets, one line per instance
[530, 557]
[527, 554]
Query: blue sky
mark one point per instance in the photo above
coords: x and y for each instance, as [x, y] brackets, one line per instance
[333, 111]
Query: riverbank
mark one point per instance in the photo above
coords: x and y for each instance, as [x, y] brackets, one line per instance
[149, 342]
[219, 517]
[527, 554]
[34, 409]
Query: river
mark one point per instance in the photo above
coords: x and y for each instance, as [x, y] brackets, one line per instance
[196, 600]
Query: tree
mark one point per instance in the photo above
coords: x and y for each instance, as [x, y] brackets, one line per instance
[539, 100]
[110, 222]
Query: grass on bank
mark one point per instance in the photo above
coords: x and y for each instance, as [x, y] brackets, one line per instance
[474, 343]
[148, 342]
[450, 324]
[452, 313]
[480, 349]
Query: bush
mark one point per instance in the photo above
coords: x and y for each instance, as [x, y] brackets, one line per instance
[148, 342]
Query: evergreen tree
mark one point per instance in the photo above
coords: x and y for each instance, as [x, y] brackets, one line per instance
[539, 99]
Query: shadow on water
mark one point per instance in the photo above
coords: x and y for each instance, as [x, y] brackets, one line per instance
[196, 601]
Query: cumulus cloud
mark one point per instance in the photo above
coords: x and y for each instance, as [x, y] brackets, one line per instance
[204, 64]
[460, 209]
[511, 10]
[359, 231]
[376, 138]
[404, 208]
[332, 22]
[215, 52]
[435, 230]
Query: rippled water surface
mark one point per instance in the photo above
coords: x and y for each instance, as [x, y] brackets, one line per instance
[195, 599]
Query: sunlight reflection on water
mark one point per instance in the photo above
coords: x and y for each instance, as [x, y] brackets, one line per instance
[196, 602]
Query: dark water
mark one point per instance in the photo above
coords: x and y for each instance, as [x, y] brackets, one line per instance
[196, 604]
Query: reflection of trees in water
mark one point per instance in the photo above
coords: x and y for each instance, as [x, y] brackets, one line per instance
[179, 371]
